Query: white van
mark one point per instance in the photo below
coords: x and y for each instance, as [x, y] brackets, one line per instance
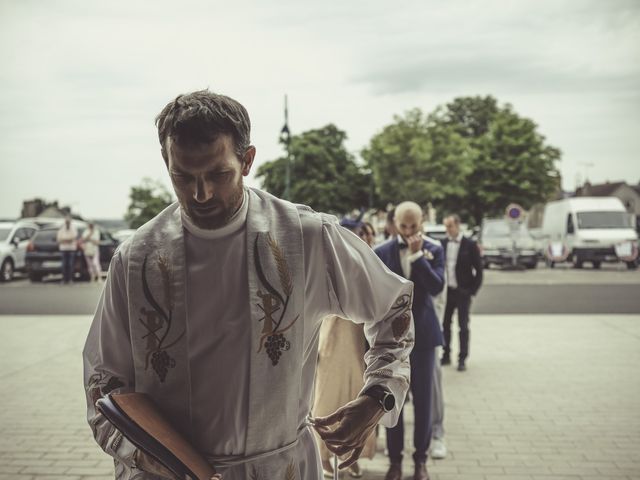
[591, 229]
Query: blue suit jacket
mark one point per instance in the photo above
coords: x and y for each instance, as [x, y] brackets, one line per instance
[428, 280]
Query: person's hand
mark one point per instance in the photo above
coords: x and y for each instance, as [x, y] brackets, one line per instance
[149, 464]
[347, 429]
[415, 243]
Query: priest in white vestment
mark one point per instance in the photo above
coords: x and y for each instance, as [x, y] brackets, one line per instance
[213, 308]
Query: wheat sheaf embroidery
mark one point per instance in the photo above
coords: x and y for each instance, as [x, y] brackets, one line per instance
[157, 319]
[274, 302]
[291, 472]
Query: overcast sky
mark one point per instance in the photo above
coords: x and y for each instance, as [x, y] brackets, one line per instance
[82, 81]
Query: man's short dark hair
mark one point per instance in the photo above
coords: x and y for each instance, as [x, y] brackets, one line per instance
[391, 215]
[455, 216]
[201, 117]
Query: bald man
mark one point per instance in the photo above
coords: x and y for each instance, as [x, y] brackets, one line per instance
[411, 256]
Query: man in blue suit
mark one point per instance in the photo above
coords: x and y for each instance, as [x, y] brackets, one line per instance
[422, 262]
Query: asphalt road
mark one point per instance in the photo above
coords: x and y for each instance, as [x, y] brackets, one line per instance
[543, 291]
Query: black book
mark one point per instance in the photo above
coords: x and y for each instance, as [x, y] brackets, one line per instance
[139, 420]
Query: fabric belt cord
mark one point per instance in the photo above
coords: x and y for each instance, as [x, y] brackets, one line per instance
[232, 461]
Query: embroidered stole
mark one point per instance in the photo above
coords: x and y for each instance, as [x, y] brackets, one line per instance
[158, 318]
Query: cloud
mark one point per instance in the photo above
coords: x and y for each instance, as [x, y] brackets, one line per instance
[425, 73]
[543, 50]
[82, 81]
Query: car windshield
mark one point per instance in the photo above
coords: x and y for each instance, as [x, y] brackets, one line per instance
[588, 220]
[43, 236]
[4, 234]
[502, 229]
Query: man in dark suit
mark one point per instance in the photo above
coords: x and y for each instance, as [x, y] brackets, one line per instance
[422, 262]
[464, 277]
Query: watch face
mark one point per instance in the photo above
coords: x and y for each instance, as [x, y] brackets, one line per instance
[389, 402]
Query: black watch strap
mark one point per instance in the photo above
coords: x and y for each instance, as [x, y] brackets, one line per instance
[383, 396]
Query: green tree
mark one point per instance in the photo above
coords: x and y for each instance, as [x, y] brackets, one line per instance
[471, 156]
[418, 158]
[324, 175]
[146, 201]
[510, 160]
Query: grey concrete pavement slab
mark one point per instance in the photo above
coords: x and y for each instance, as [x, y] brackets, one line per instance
[545, 397]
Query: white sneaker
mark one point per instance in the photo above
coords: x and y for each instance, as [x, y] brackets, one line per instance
[438, 449]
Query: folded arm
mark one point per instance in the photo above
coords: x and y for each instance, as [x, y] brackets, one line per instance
[364, 290]
[428, 273]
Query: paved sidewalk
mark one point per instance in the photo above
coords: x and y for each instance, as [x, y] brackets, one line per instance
[545, 397]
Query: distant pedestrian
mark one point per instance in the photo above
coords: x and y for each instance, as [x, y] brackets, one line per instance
[91, 249]
[367, 233]
[67, 239]
[422, 262]
[464, 278]
[390, 227]
[438, 447]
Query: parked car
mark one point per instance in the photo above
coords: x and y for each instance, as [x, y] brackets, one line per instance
[14, 238]
[437, 232]
[43, 257]
[504, 245]
[590, 229]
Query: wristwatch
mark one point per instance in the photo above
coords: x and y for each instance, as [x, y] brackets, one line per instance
[384, 397]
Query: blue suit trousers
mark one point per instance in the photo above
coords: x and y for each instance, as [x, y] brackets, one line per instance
[422, 370]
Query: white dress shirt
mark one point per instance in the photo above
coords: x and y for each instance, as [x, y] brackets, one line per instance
[453, 247]
[66, 239]
[407, 258]
[219, 330]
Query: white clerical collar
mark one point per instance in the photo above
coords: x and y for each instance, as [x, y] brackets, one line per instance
[234, 224]
[458, 238]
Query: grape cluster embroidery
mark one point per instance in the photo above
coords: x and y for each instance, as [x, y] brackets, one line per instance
[275, 345]
[158, 321]
[274, 302]
[161, 362]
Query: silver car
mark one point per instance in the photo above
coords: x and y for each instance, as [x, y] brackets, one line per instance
[14, 238]
[503, 245]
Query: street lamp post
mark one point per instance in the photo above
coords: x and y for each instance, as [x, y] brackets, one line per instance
[369, 173]
[285, 137]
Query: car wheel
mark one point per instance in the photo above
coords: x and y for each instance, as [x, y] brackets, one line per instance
[6, 271]
[531, 266]
[596, 265]
[35, 277]
[631, 265]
